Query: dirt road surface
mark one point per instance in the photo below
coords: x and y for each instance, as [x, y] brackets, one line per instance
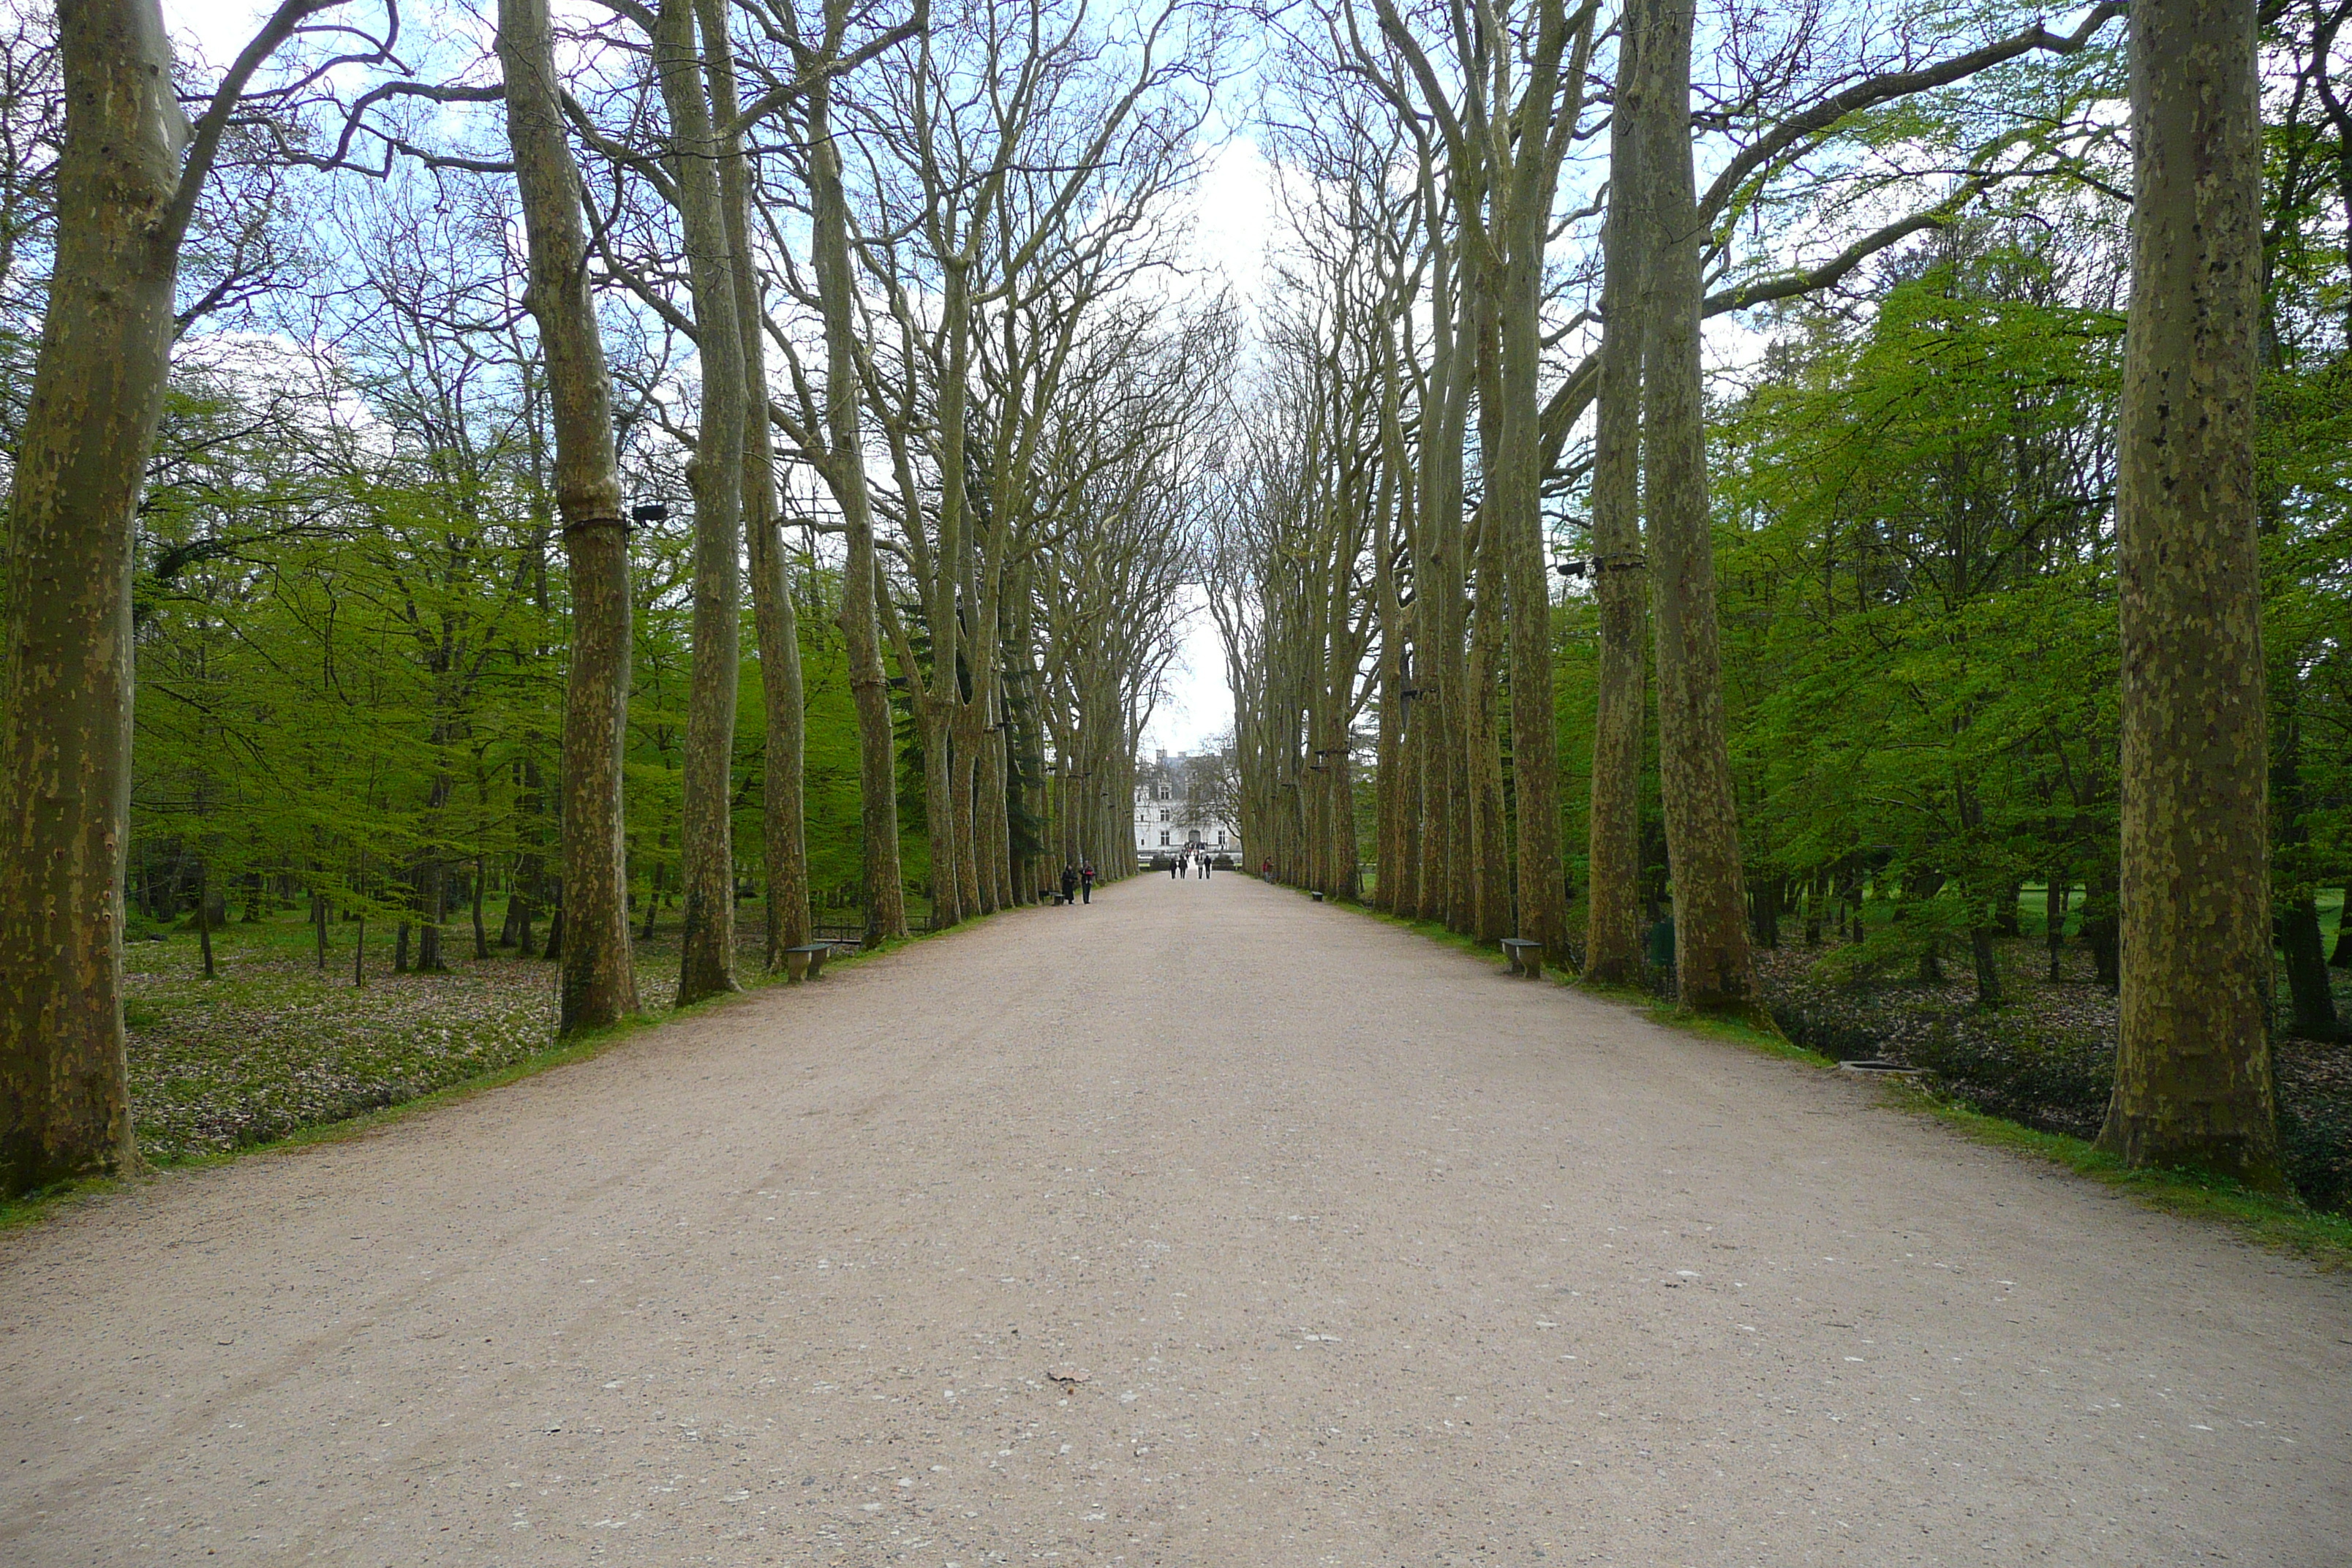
[1204, 1226]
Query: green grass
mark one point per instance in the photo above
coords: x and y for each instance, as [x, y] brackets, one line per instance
[2283, 1224]
[1740, 1032]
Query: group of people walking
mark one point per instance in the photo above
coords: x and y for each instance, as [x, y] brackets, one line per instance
[1078, 879]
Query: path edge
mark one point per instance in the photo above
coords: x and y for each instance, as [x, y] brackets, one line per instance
[2274, 1224]
[35, 1208]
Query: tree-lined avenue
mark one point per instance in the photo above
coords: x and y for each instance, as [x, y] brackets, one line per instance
[1367, 1254]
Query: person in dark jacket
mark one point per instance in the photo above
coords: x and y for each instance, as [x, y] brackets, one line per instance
[1069, 884]
[1086, 881]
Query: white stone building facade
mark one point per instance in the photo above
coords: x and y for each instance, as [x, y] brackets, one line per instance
[1177, 809]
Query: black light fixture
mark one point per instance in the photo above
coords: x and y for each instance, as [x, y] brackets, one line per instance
[1598, 565]
[649, 512]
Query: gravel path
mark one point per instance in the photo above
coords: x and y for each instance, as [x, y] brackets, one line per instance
[1205, 1227]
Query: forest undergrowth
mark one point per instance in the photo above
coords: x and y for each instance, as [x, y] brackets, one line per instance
[272, 1046]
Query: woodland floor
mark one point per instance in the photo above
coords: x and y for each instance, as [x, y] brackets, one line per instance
[1203, 1226]
[273, 1043]
[2046, 1056]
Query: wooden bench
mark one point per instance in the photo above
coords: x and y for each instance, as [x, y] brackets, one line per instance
[1526, 954]
[807, 961]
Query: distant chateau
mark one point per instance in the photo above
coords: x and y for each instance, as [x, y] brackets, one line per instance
[1184, 801]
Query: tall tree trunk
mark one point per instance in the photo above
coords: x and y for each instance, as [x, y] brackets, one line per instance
[2301, 953]
[205, 916]
[1413, 716]
[2193, 1064]
[885, 908]
[1514, 477]
[774, 619]
[705, 826]
[956, 647]
[65, 756]
[784, 850]
[1489, 857]
[481, 933]
[599, 969]
[1714, 970]
[963, 780]
[433, 892]
[939, 810]
[1387, 755]
[1612, 922]
[1446, 592]
[2102, 931]
[1427, 732]
[2305, 959]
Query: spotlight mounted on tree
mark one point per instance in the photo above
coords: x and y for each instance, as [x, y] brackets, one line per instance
[651, 511]
[1598, 565]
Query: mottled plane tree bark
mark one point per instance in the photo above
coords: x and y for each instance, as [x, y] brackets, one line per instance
[1612, 928]
[599, 968]
[1714, 969]
[1504, 120]
[706, 826]
[2193, 1067]
[128, 173]
[844, 472]
[775, 622]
